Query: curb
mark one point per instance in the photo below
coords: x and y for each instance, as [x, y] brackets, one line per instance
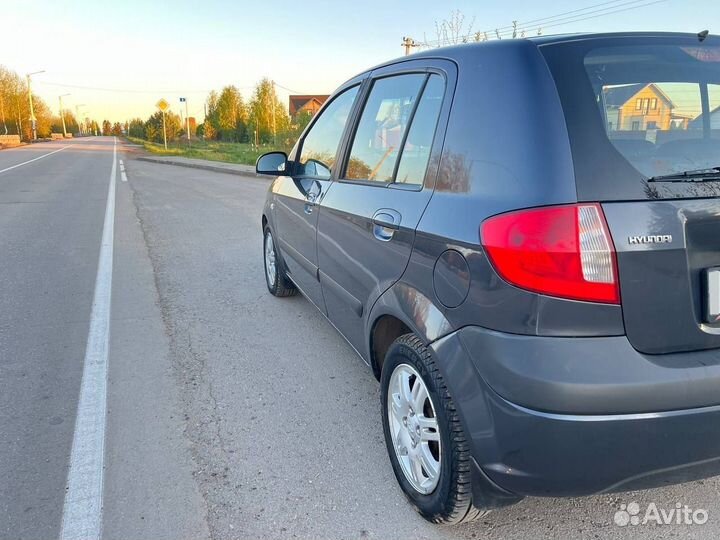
[208, 167]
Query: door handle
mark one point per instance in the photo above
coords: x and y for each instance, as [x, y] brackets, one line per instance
[385, 222]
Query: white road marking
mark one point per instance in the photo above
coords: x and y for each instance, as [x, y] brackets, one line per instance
[35, 159]
[123, 176]
[82, 512]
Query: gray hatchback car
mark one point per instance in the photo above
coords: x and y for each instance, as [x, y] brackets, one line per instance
[522, 240]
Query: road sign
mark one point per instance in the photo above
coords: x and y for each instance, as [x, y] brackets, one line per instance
[162, 105]
[183, 100]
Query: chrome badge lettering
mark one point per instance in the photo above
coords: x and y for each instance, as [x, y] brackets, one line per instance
[651, 239]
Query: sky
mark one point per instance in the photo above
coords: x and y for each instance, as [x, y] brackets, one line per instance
[117, 59]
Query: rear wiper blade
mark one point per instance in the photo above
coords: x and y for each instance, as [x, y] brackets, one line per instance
[711, 174]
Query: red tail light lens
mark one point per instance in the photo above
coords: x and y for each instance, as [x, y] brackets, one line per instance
[563, 251]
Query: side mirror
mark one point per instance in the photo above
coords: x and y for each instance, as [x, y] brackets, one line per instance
[274, 163]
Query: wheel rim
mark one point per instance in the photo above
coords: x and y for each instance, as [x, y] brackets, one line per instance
[270, 263]
[414, 429]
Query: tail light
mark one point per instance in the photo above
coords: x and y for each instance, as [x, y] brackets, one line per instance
[563, 251]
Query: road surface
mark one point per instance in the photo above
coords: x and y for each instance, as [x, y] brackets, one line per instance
[229, 413]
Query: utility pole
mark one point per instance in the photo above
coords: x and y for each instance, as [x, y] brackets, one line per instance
[272, 97]
[204, 119]
[408, 43]
[32, 111]
[187, 119]
[62, 114]
[164, 131]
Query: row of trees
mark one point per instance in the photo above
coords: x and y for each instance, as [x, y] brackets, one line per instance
[15, 108]
[15, 111]
[263, 119]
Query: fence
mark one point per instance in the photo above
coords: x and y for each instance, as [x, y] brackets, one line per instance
[9, 140]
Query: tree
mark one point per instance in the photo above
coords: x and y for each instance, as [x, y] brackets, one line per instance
[154, 127]
[117, 129]
[268, 115]
[302, 119]
[211, 124]
[454, 31]
[136, 128]
[231, 115]
[71, 123]
[43, 117]
[15, 109]
[106, 128]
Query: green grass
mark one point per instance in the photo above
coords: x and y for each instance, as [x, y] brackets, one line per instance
[211, 150]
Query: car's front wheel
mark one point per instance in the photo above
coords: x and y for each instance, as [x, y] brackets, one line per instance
[276, 278]
[426, 443]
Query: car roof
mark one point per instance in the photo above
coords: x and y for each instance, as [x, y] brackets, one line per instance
[464, 49]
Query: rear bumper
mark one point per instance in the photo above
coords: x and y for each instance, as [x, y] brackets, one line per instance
[561, 432]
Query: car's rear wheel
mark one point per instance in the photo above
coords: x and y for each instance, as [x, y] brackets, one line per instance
[426, 443]
[276, 278]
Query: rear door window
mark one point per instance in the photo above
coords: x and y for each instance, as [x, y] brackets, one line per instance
[395, 132]
[381, 129]
[416, 150]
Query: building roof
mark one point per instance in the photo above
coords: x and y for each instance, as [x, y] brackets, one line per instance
[698, 119]
[619, 95]
[297, 102]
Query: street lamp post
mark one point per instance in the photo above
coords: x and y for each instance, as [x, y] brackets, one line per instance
[62, 114]
[32, 111]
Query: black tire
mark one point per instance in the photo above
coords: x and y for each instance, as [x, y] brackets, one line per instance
[451, 502]
[281, 286]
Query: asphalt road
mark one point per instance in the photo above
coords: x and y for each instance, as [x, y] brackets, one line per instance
[230, 413]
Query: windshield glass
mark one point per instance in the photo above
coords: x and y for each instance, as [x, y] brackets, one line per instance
[638, 108]
[651, 100]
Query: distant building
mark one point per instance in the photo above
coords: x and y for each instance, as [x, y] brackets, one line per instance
[638, 107]
[697, 123]
[311, 103]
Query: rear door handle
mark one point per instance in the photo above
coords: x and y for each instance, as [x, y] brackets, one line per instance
[385, 222]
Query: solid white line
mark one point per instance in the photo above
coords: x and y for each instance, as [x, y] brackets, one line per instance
[35, 159]
[123, 176]
[82, 512]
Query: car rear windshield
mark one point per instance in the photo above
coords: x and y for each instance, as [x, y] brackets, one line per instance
[640, 110]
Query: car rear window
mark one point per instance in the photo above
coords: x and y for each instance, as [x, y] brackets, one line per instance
[637, 109]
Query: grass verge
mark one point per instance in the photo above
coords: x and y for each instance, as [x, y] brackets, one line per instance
[211, 150]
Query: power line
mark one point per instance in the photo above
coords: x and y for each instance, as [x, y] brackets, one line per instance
[122, 90]
[597, 13]
[568, 17]
[136, 91]
[546, 19]
[288, 89]
[509, 29]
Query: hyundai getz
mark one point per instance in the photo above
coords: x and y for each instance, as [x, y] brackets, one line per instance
[522, 240]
